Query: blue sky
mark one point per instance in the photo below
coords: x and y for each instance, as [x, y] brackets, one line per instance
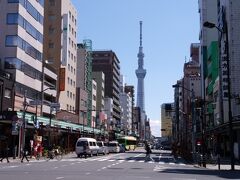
[169, 28]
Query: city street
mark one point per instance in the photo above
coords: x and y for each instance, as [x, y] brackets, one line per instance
[123, 166]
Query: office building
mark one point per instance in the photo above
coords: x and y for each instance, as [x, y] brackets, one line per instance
[107, 62]
[60, 48]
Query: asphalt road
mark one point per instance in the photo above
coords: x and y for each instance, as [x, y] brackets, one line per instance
[123, 166]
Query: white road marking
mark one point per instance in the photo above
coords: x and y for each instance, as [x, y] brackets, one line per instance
[138, 155]
[12, 166]
[60, 178]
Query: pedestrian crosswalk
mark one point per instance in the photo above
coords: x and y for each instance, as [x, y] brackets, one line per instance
[121, 160]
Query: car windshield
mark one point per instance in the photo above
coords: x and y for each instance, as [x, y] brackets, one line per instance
[82, 143]
[112, 144]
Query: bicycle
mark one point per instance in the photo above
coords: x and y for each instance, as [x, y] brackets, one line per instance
[55, 153]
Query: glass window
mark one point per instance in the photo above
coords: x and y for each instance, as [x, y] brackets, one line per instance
[13, 1]
[52, 2]
[51, 30]
[12, 63]
[52, 17]
[12, 18]
[51, 45]
[11, 41]
[7, 93]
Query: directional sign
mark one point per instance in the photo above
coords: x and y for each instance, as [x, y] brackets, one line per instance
[55, 105]
[35, 103]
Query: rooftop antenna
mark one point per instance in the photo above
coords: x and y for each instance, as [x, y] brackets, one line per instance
[140, 33]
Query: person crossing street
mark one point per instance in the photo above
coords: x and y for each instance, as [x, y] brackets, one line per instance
[148, 152]
[24, 154]
[5, 152]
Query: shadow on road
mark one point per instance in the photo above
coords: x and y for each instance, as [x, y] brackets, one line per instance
[227, 174]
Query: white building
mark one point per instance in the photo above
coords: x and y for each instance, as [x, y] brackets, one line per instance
[21, 52]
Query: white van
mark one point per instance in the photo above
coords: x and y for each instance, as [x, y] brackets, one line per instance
[103, 148]
[113, 146]
[91, 146]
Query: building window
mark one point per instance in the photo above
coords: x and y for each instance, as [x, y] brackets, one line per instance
[52, 2]
[51, 45]
[67, 93]
[7, 93]
[52, 17]
[51, 30]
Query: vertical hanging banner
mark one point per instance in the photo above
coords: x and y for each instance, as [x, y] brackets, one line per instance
[62, 79]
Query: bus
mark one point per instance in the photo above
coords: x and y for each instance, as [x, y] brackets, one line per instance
[129, 142]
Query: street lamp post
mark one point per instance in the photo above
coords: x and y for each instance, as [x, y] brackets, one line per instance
[225, 31]
[24, 124]
[50, 123]
[41, 92]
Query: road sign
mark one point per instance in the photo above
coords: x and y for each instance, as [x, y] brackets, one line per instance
[55, 105]
[35, 103]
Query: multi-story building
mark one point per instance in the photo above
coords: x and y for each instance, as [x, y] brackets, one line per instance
[130, 90]
[222, 91]
[126, 105]
[22, 55]
[60, 48]
[99, 77]
[108, 63]
[187, 90]
[94, 104]
[136, 126]
[166, 119]
[81, 84]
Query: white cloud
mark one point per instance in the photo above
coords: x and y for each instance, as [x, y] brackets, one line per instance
[155, 127]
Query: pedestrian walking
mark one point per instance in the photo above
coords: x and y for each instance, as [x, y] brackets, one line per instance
[148, 152]
[24, 154]
[5, 151]
[85, 149]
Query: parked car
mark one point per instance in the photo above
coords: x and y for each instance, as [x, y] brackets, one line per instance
[103, 148]
[113, 146]
[89, 144]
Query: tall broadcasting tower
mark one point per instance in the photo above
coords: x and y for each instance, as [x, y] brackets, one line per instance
[140, 73]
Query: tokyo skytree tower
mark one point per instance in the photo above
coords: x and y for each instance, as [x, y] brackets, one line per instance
[140, 73]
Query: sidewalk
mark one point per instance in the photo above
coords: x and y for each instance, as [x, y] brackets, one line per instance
[33, 159]
[224, 165]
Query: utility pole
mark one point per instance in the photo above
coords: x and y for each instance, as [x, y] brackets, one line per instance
[24, 125]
